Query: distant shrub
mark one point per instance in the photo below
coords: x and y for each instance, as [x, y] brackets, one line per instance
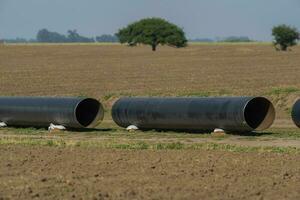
[44, 35]
[237, 39]
[107, 38]
[285, 36]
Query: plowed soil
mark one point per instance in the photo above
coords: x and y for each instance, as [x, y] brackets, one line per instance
[83, 173]
[97, 70]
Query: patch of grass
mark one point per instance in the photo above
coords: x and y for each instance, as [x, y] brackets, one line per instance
[137, 146]
[108, 96]
[32, 142]
[24, 130]
[245, 149]
[114, 132]
[176, 145]
[163, 134]
[290, 133]
[286, 90]
[108, 144]
[205, 93]
[198, 94]
[221, 92]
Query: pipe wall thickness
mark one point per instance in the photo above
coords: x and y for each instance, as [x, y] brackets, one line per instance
[203, 114]
[41, 111]
[296, 113]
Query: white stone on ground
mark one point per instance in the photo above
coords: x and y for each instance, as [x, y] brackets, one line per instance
[218, 133]
[53, 127]
[132, 128]
[2, 124]
[218, 130]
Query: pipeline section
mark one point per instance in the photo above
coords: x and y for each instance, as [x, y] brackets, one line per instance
[41, 111]
[239, 114]
[296, 113]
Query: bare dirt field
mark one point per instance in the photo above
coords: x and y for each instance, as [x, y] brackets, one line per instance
[110, 163]
[99, 70]
[49, 173]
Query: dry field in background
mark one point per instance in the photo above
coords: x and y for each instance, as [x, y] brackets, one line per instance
[97, 70]
[109, 71]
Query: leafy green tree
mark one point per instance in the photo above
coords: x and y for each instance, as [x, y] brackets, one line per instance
[285, 36]
[152, 31]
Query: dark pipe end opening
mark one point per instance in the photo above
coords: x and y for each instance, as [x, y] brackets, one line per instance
[296, 113]
[89, 112]
[259, 113]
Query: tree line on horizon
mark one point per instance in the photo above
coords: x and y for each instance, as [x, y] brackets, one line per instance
[157, 31]
[224, 39]
[72, 36]
[54, 37]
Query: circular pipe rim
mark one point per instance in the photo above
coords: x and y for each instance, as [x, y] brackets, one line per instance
[294, 113]
[268, 119]
[98, 117]
[114, 116]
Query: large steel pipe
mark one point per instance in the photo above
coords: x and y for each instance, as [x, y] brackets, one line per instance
[41, 111]
[296, 113]
[228, 113]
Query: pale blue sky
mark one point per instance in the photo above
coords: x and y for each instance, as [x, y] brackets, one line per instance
[199, 18]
